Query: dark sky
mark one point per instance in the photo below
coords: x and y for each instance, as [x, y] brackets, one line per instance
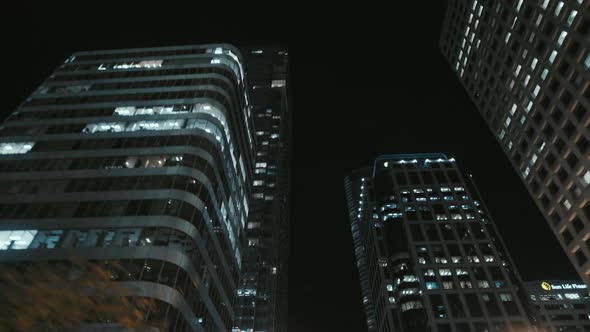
[365, 81]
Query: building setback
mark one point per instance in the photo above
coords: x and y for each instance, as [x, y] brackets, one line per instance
[262, 293]
[143, 157]
[563, 305]
[525, 65]
[428, 254]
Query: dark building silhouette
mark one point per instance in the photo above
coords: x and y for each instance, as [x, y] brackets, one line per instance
[525, 64]
[428, 254]
[262, 293]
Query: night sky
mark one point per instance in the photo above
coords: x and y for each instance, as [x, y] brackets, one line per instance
[364, 82]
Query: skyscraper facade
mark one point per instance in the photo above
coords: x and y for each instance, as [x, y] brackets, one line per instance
[563, 305]
[143, 157]
[428, 254]
[262, 293]
[525, 65]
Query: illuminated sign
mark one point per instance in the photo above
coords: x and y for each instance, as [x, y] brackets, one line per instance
[547, 286]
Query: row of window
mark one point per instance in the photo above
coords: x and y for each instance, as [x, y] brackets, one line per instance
[139, 142]
[138, 54]
[437, 232]
[438, 253]
[104, 75]
[120, 208]
[473, 305]
[145, 96]
[115, 237]
[157, 271]
[105, 184]
[465, 277]
[156, 83]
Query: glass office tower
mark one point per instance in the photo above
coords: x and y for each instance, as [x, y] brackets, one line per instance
[262, 293]
[143, 157]
[525, 65]
[428, 254]
[563, 305]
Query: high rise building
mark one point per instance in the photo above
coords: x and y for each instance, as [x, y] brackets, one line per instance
[262, 293]
[143, 157]
[428, 254]
[525, 65]
[563, 305]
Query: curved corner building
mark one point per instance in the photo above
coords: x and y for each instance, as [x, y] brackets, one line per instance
[428, 255]
[141, 156]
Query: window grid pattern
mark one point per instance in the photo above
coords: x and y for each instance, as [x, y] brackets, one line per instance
[430, 250]
[529, 79]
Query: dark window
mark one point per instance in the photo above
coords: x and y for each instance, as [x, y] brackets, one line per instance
[572, 161]
[438, 308]
[567, 236]
[579, 112]
[416, 232]
[580, 257]
[578, 224]
[582, 144]
[455, 305]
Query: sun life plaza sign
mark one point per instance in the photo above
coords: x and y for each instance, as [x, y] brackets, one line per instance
[548, 286]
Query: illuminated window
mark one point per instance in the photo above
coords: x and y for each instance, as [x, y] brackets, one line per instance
[411, 305]
[277, 83]
[253, 225]
[558, 8]
[411, 291]
[536, 91]
[429, 273]
[448, 285]
[561, 38]
[431, 285]
[483, 284]
[460, 272]
[16, 147]
[125, 111]
[571, 17]
[444, 272]
[552, 56]
[141, 64]
[16, 239]
[113, 127]
[410, 278]
[572, 296]
[505, 297]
